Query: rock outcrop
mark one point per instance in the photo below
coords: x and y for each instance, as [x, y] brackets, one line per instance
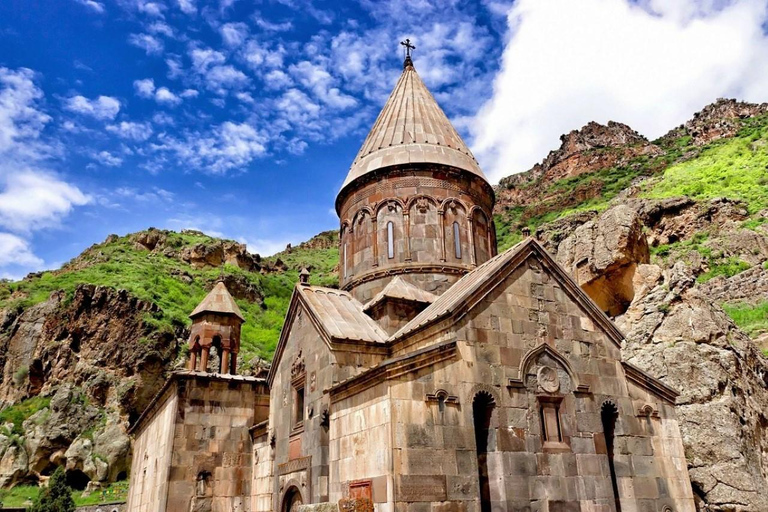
[602, 256]
[674, 332]
[99, 363]
[716, 121]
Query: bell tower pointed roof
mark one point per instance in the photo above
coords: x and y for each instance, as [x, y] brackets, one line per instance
[219, 301]
[412, 129]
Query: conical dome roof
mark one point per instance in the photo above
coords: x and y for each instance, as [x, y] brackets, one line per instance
[218, 301]
[412, 128]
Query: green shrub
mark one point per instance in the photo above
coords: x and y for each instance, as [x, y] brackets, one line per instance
[20, 376]
[18, 414]
[751, 319]
[57, 497]
[727, 267]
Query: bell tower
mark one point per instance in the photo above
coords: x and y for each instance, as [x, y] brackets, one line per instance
[415, 202]
[214, 339]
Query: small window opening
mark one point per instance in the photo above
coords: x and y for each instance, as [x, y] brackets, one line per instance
[345, 260]
[298, 407]
[390, 240]
[457, 240]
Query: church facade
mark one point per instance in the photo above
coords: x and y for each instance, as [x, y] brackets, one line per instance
[440, 376]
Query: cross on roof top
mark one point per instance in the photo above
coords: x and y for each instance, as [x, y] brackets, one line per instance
[408, 48]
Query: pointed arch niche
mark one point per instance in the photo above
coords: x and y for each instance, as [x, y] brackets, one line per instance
[390, 236]
[423, 229]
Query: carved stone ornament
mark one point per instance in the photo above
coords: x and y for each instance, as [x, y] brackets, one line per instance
[422, 205]
[298, 368]
[548, 379]
[392, 206]
[451, 207]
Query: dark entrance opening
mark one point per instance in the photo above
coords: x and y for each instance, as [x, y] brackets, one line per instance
[77, 480]
[291, 500]
[609, 414]
[482, 409]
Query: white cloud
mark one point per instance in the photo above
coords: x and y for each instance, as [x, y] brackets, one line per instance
[21, 121]
[92, 5]
[234, 34]
[220, 78]
[108, 159]
[103, 107]
[160, 27]
[204, 58]
[14, 250]
[226, 147]
[189, 93]
[265, 247]
[650, 65]
[144, 88]
[150, 44]
[138, 132]
[277, 79]
[187, 6]
[316, 78]
[31, 199]
[163, 95]
[154, 9]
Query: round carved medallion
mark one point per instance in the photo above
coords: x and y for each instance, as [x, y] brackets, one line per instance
[548, 379]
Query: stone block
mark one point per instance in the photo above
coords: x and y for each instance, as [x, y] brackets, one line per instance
[420, 488]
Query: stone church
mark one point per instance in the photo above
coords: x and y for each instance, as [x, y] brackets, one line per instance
[440, 376]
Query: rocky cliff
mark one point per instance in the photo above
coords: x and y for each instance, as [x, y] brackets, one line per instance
[84, 349]
[672, 242]
[669, 237]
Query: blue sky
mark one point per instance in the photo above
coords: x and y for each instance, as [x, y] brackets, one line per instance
[241, 118]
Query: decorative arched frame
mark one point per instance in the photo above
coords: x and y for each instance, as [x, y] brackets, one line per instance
[472, 220]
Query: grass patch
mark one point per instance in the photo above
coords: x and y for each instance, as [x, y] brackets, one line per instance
[19, 496]
[19, 413]
[752, 319]
[727, 267]
[734, 168]
[163, 280]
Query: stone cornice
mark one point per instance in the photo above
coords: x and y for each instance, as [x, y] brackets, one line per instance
[393, 368]
[407, 268]
[650, 384]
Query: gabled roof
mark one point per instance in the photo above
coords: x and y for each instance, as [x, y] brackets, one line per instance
[400, 289]
[340, 315]
[412, 128]
[218, 301]
[460, 297]
[338, 318]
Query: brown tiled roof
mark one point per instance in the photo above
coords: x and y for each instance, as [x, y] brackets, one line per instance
[341, 315]
[412, 128]
[455, 296]
[220, 301]
[398, 288]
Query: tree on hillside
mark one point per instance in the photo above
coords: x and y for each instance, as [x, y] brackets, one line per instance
[57, 497]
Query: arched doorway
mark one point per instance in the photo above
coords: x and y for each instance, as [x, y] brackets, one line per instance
[291, 500]
[482, 410]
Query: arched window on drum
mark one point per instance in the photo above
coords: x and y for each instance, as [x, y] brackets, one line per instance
[457, 240]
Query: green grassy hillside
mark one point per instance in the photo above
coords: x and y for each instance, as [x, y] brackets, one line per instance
[176, 287]
[732, 167]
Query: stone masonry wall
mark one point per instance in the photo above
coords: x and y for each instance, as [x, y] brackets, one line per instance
[212, 452]
[422, 207]
[748, 286]
[152, 453]
[531, 310]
